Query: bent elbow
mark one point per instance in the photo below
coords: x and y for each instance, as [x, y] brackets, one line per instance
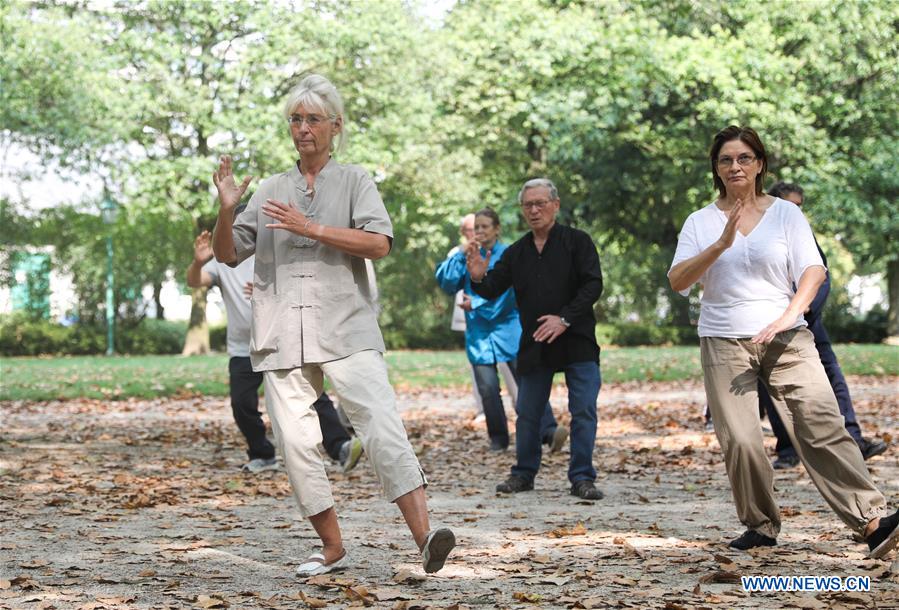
[677, 285]
[381, 250]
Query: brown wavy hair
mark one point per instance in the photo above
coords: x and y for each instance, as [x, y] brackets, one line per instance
[489, 213]
[750, 138]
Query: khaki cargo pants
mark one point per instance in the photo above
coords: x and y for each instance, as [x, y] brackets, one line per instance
[789, 366]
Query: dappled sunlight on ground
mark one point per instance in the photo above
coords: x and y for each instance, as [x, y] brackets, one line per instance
[141, 503]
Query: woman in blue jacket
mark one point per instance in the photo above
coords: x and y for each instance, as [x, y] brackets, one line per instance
[492, 334]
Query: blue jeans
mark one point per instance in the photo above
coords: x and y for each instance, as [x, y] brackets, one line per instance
[487, 382]
[784, 446]
[583, 381]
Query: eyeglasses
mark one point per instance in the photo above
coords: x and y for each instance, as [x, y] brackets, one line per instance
[726, 162]
[539, 204]
[313, 120]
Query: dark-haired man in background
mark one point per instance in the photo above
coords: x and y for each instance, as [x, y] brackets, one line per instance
[786, 453]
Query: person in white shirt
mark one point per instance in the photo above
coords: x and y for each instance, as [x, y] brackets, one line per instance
[756, 259]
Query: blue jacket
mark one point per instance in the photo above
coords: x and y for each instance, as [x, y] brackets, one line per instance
[492, 328]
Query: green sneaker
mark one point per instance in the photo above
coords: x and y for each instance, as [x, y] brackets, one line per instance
[350, 452]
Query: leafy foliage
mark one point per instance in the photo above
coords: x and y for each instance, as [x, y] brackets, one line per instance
[617, 102]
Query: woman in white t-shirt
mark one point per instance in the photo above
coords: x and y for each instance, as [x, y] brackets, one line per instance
[756, 260]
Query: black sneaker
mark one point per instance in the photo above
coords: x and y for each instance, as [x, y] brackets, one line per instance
[885, 538]
[587, 490]
[871, 448]
[751, 539]
[786, 462]
[514, 484]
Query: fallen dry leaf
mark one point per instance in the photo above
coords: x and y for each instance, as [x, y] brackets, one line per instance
[210, 601]
[533, 598]
[312, 602]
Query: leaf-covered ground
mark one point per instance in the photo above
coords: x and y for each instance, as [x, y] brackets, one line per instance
[139, 504]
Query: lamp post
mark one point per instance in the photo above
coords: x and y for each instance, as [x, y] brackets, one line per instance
[109, 210]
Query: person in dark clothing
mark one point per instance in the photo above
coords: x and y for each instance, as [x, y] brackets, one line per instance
[557, 278]
[786, 453]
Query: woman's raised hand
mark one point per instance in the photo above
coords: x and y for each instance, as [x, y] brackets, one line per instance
[477, 265]
[230, 193]
[730, 229]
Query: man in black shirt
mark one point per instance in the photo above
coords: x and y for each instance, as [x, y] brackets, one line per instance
[557, 279]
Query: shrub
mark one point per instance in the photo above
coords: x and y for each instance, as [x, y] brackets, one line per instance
[628, 334]
[20, 336]
[435, 337]
[152, 337]
[872, 328]
[218, 338]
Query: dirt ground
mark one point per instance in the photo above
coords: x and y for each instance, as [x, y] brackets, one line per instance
[140, 504]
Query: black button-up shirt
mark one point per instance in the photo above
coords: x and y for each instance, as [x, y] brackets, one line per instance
[564, 280]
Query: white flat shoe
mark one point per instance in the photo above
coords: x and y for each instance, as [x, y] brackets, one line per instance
[315, 565]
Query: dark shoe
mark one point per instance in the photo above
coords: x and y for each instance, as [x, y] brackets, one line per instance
[885, 538]
[587, 490]
[498, 445]
[871, 448]
[751, 539]
[436, 548]
[514, 484]
[786, 462]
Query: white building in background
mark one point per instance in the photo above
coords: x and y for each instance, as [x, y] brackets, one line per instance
[48, 186]
[175, 303]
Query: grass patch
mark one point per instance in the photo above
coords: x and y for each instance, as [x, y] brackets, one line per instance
[123, 377]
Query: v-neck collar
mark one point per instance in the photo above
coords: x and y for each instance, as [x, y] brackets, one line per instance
[757, 225]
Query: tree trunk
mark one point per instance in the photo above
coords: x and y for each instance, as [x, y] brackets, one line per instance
[892, 302]
[197, 339]
[157, 296]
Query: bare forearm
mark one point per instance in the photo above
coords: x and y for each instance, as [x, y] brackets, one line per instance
[195, 274]
[355, 242]
[811, 280]
[223, 238]
[686, 273]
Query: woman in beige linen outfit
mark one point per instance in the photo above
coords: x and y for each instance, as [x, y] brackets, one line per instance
[756, 259]
[314, 314]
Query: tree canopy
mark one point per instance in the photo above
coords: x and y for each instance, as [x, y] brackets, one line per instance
[615, 101]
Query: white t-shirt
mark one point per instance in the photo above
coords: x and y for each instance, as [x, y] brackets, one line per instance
[231, 281]
[753, 281]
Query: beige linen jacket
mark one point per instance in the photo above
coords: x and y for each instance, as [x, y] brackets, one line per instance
[311, 303]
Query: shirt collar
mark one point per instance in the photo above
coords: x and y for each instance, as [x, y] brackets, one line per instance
[300, 180]
[552, 231]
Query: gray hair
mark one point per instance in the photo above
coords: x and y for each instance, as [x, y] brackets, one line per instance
[537, 182]
[316, 92]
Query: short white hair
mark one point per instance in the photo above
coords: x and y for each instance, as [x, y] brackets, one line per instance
[537, 182]
[315, 92]
[465, 219]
